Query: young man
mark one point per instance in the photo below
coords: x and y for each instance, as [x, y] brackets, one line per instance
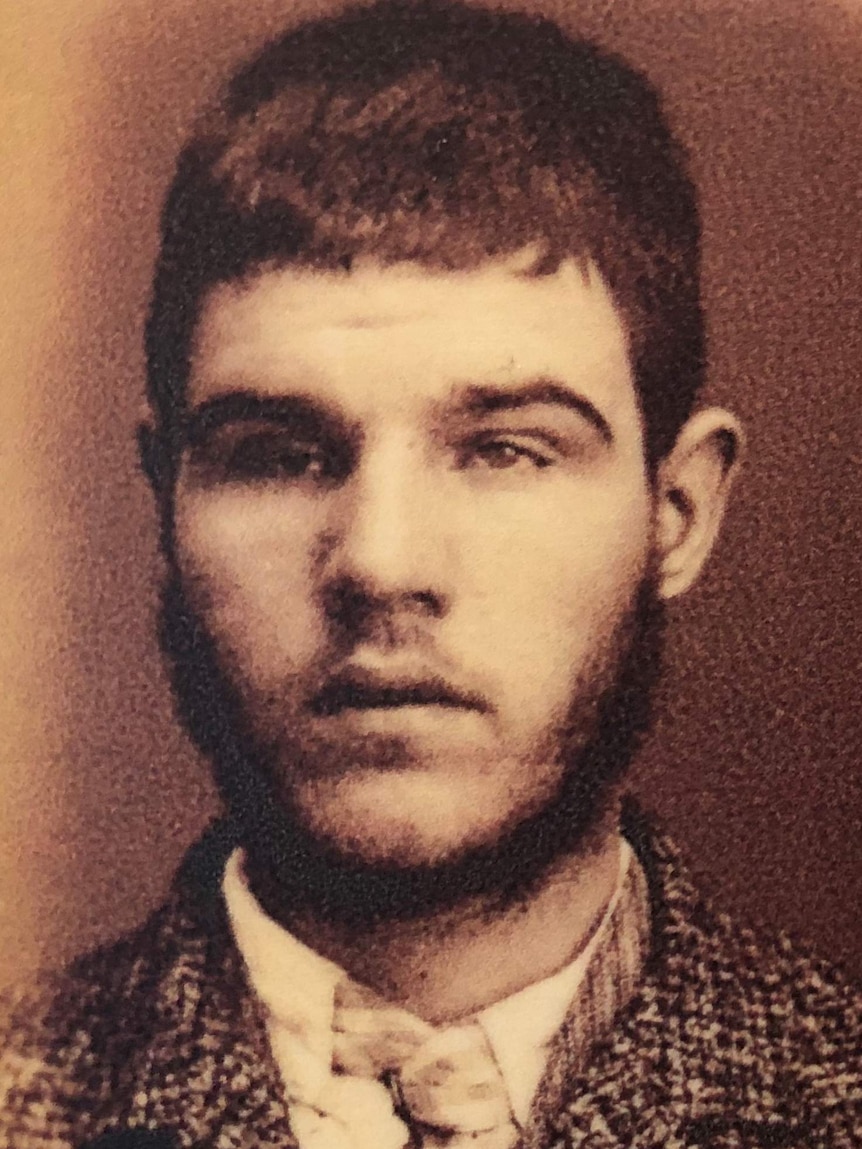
[423, 355]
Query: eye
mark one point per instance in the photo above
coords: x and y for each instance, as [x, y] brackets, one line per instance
[271, 456]
[498, 454]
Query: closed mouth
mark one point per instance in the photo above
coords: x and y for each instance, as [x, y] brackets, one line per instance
[364, 691]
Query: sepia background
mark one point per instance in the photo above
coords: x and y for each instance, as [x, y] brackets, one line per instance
[755, 765]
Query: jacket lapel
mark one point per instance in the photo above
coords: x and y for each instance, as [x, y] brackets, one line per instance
[204, 1071]
[668, 1072]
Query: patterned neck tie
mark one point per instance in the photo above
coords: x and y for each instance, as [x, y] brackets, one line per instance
[447, 1087]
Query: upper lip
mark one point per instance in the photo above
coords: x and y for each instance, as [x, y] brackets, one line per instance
[360, 688]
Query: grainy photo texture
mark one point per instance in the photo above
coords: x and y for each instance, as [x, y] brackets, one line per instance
[432, 577]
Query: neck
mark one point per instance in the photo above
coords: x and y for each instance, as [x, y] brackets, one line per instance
[454, 962]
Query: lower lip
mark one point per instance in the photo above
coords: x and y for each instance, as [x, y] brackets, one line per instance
[404, 718]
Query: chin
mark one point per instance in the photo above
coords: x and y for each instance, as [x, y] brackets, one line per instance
[411, 818]
[380, 825]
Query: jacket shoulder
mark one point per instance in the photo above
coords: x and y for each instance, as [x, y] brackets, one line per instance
[758, 990]
[787, 1002]
[65, 1035]
[733, 1037]
[760, 1035]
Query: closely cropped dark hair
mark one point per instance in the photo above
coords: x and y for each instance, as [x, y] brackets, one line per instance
[446, 134]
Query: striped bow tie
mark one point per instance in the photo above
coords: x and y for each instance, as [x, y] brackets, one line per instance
[446, 1085]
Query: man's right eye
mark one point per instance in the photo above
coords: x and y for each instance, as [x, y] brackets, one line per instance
[275, 457]
[268, 457]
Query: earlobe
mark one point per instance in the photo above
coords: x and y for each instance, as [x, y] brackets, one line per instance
[693, 484]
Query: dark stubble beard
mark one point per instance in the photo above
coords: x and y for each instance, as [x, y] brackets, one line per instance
[304, 875]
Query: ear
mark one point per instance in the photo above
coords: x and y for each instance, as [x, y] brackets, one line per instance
[692, 485]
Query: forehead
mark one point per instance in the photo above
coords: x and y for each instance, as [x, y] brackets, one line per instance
[377, 331]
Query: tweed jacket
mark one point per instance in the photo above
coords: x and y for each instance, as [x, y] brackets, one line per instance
[729, 1042]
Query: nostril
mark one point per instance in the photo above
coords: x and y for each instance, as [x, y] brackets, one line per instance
[347, 603]
[429, 603]
[361, 613]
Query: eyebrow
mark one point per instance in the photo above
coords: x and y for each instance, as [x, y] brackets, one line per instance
[302, 412]
[244, 406]
[480, 400]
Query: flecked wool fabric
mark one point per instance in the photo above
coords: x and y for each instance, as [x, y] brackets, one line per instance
[728, 1043]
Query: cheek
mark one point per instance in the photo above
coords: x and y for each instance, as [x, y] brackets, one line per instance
[550, 584]
[247, 564]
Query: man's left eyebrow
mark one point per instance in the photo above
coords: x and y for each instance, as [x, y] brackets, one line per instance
[482, 399]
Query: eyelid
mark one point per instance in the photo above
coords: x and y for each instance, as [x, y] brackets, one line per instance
[262, 429]
[244, 449]
[551, 440]
[530, 430]
[234, 411]
[219, 442]
[203, 432]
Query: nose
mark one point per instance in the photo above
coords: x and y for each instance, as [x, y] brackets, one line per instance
[387, 549]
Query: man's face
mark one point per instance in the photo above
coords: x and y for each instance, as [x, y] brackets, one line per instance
[414, 516]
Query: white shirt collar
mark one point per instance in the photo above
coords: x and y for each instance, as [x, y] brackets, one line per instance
[297, 988]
